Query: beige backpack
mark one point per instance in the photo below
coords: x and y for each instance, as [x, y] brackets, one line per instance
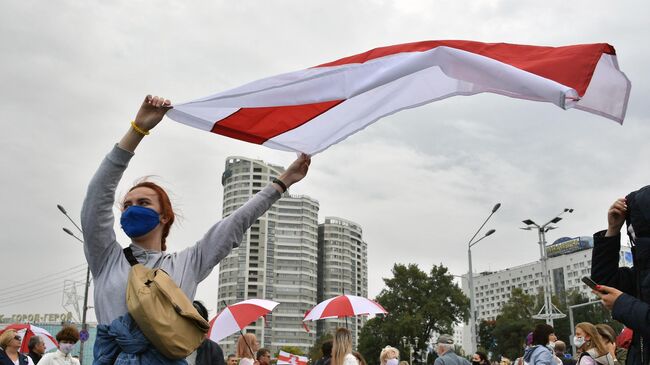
[162, 311]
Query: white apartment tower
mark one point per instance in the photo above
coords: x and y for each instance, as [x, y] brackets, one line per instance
[276, 260]
[342, 269]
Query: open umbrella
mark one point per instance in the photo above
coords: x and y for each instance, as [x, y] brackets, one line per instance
[237, 316]
[344, 306]
[27, 331]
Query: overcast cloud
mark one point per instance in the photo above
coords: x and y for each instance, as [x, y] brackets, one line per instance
[419, 182]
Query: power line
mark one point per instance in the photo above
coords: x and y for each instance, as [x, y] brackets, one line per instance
[43, 285]
[39, 296]
[17, 298]
[37, 279]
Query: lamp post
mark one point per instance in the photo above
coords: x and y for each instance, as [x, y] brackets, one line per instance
[84, 325]
[470, 280]
[549, 311]
[407, 343]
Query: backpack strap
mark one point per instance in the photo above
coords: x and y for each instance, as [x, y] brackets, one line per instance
[129, 256]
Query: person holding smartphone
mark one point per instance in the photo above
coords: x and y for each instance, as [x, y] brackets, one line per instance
[623, 290]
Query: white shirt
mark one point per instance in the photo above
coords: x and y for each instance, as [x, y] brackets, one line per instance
[58, 358]
[348, 360]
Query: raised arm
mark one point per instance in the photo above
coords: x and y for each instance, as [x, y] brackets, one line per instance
[151, 112]
[97, 218]
[227, 234]
[606, 253]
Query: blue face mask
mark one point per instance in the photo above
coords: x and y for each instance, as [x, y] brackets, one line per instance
[137, 221]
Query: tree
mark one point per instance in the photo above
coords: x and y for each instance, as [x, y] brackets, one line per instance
[316, 351]
[486, 340]
[514, 323]
[292, 350]
[418, 305]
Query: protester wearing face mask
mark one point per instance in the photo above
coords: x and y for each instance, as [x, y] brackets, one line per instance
[480, 358]
[591, 346]
[541, 350]
[389, 356]
[147, 217]
[446, 354]
[67, 338]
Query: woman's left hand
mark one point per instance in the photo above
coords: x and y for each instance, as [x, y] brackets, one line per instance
[296, 171]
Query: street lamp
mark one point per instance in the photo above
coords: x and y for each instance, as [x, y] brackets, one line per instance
[84, 325]
[549, 311]
[470, 280]
[407, 343]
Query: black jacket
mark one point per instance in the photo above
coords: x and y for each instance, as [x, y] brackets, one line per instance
[35, 357]
[5, 360]
[632, 308]
[209, 353]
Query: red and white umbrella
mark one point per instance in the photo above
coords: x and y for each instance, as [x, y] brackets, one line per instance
[27, 331]
[237, 316]
[344, 306]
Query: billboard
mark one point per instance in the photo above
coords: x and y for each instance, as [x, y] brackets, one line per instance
[565, 245]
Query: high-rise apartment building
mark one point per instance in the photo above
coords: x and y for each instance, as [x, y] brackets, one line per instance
[342, 269]
[276, 260]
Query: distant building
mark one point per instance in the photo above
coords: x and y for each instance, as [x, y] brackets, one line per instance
[342, 269]
[569, 259]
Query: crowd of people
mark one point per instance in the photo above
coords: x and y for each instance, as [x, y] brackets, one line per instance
[10, 342]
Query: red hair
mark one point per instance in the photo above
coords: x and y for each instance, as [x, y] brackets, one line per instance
[166, 210]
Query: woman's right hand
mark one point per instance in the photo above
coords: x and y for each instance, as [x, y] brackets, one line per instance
[151, 112]
[616, 217]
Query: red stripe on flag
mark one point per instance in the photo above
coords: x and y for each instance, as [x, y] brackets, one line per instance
[555, 63]
[257, 125]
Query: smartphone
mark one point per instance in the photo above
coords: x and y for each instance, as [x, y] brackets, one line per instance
[590, 283]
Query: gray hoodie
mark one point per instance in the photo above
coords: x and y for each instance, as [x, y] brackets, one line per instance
[187, 268]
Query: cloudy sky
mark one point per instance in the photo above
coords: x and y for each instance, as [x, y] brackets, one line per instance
[420, 182]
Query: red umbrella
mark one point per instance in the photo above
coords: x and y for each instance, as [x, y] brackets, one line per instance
[344, 306]
[27, 331]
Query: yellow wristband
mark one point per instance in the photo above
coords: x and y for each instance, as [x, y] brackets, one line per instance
[137, 129]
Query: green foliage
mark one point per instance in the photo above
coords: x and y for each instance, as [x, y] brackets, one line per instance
[292, 350]
[513, 324]
[486, 340]
[316, 352]
[418, 304]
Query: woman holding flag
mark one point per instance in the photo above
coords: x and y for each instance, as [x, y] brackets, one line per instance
[146, 217]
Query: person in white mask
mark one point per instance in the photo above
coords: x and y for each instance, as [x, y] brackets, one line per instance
[67, 339]
[389, 356]
[591, 346]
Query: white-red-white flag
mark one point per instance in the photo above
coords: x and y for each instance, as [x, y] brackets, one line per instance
[309, 110]
[287, 358]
